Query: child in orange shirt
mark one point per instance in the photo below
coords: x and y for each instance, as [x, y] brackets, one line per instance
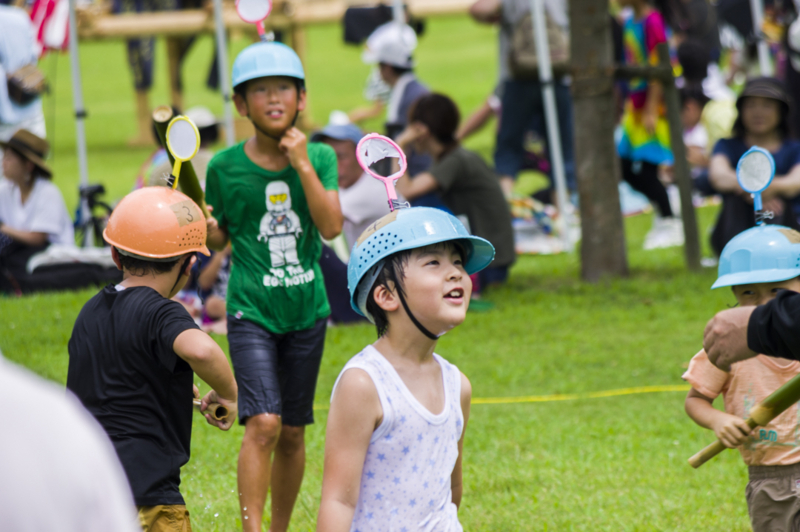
[756, 264]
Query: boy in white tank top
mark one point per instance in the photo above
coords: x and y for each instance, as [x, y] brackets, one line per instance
[398, 411]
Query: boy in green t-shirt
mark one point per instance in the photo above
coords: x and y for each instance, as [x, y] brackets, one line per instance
[273, 196]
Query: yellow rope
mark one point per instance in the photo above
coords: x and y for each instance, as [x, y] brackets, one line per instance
[568, 397]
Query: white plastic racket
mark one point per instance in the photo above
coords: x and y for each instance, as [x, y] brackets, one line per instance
[373, 148]
[255, 12]
[754, 172]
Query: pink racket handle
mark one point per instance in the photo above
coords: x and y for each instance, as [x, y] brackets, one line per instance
[388, 181]
[262, 32]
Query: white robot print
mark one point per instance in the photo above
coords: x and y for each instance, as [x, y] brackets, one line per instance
[280, 226]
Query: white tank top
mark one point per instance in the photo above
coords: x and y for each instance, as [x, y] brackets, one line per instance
[405, 484]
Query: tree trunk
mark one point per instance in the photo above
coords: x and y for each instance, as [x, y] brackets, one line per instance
[603, 237]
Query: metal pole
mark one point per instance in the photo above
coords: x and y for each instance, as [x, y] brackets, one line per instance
[80, 115]
[224, 80]
[757, 12]
[398, 12]
[551, 116]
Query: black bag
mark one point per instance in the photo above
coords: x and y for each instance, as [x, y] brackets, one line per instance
[360, 22]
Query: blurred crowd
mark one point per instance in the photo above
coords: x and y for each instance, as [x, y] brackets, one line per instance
[731, 98]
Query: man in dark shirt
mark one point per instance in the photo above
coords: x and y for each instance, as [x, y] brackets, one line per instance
[133, 351]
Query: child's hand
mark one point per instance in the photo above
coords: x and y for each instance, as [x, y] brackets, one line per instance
[413, 132]
[211, 222]
[293, 144]
[226, 422]
[731, 430]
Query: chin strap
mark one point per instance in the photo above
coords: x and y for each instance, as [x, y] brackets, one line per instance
[180, 272]
[414, 320]
[273, 137]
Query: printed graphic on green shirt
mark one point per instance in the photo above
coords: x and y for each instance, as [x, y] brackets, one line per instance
[280, 226]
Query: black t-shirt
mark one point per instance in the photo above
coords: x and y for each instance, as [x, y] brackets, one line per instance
[470, 188]
[123, 369]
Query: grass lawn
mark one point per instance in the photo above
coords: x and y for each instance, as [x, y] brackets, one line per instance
[592, 463]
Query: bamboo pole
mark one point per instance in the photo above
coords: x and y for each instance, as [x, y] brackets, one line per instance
[215, 410]
[187, 181]
[760, 416]
[691, 245]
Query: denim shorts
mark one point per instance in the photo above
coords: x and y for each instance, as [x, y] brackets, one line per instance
[276, 373]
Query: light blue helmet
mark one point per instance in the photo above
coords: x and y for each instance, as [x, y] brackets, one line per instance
[762, 254]
[402, 230]
[264, 59]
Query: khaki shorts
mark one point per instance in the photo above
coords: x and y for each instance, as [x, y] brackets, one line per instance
[164, 518]
[773, 498]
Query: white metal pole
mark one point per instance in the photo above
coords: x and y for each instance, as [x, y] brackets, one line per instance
[757, 12]
[224, 80]
[398, 12]
[80, 115]
[551, 117]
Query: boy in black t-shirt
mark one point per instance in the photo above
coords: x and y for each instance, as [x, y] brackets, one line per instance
[133, 351]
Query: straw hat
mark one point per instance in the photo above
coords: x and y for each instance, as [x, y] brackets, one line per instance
[31, 147]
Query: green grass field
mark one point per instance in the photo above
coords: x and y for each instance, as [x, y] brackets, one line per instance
[592, 463]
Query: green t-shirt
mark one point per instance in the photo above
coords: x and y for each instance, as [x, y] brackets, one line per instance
[275, 279]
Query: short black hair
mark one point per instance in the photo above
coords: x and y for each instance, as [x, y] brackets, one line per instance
[439, 114]
[393, 270]
[209, 134]
[399, 71]
[693, 92]
[241, 88]
[141, 267]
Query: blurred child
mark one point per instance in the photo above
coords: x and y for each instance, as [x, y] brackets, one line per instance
[644, 143]
[469, 188]
[273, 196]
[756, 264]
[395, 435]
[695, 136]
[133, 351]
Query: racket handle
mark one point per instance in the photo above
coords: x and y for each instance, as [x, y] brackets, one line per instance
[706, 454]
[216, 410]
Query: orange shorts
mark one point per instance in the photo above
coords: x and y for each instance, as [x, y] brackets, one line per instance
[164, 518]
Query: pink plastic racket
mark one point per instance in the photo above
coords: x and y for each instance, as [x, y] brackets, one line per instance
[255, 12]
[373, 148]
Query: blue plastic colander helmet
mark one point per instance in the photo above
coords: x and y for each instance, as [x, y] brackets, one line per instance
[402, 230]
[264, 59]
[762, 254]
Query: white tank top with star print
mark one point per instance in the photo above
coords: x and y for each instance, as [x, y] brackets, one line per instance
[405, 484]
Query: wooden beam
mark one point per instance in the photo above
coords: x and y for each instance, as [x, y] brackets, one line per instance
[100, 24]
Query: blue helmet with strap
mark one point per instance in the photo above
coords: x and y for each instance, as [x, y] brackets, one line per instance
[406, 229]
[762, 254]
[264, 59]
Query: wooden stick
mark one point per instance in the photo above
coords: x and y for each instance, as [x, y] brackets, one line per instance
[216, 410]
[760, 416]
[187, 181]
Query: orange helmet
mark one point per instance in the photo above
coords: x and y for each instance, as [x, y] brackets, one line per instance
[157, 223]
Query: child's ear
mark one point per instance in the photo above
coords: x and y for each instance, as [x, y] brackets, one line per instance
[241, 104]
[301, 99]
[386, 299]
[115, 257]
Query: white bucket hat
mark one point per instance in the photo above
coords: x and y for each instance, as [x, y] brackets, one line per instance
[391, 43]
[794, 44]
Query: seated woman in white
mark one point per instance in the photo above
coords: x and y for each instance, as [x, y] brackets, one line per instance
[32, 210]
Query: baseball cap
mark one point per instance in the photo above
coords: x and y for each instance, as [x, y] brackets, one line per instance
[338, 132]
[391, 43]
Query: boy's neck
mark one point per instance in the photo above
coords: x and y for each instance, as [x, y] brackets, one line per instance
[162, 283]
[265, 152]
[403, 341]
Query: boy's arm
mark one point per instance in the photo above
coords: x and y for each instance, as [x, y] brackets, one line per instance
[207, 360]
[456, 485]
[326, 211]
[731, 430]
[354, 415]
